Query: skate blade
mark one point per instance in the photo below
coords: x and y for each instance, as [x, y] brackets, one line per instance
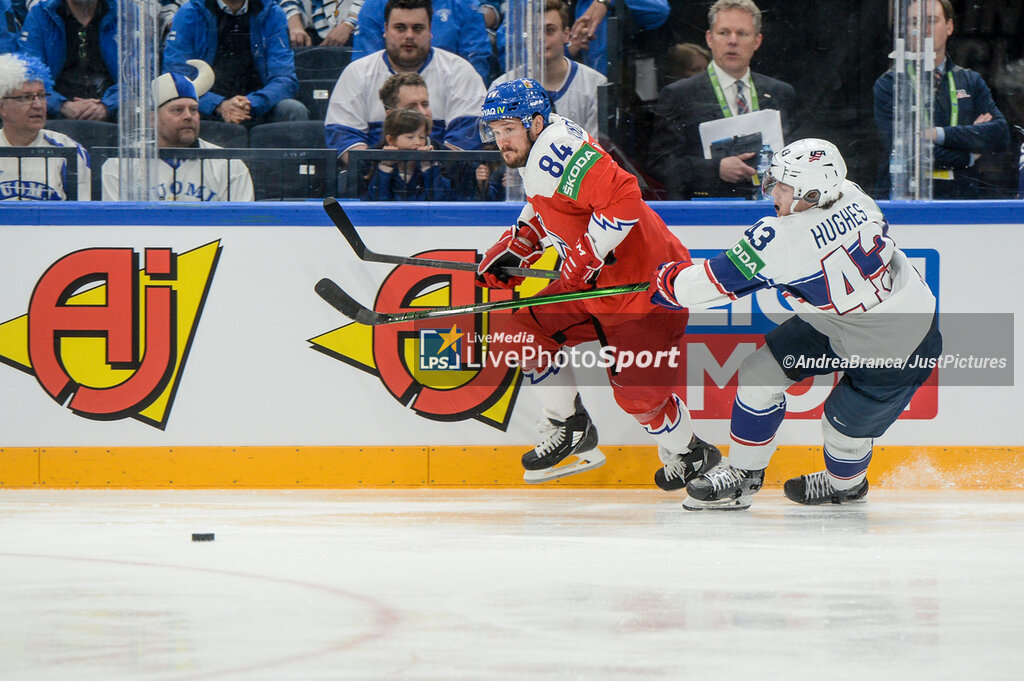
[740, 504]
[583, 462]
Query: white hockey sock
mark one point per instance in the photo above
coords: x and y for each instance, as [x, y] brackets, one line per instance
[672, 431]
[846, 458]
[556, 391]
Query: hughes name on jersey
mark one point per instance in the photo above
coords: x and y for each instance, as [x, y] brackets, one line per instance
[838, 267]
[574, 188]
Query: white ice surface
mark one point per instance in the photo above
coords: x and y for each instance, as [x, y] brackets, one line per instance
[507, 585]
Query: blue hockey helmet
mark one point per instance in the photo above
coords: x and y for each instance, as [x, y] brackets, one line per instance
[522, 98]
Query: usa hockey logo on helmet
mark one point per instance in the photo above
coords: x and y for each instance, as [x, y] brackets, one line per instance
[522, 99]
[809, 165]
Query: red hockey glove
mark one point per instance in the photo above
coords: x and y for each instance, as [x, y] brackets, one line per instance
[663, 284]
[519, 246]
[581, 266]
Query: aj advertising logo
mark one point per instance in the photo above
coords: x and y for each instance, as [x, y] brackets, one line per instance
[436, 371]
[108, 338]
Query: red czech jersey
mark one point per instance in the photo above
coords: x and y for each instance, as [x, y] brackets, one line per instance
[575, 187]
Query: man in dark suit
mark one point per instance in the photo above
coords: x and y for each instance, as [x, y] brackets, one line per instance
[727, 88]
[968, 124]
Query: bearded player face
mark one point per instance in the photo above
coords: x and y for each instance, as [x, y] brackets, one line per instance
[514, 140]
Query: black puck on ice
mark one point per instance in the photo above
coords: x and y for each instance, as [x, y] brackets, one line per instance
[196, 536]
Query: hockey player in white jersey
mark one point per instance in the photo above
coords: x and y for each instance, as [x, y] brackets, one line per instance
[861, 307]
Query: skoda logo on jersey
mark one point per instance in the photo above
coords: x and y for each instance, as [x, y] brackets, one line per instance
[441, 349]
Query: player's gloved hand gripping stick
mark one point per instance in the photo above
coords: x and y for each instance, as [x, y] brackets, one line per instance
[348, 306]
[337, 215]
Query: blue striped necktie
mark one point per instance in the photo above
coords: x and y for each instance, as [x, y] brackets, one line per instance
[741, 101]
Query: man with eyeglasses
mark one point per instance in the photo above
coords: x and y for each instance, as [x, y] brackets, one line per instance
[23, 82]
[77, 40]
[727, 88]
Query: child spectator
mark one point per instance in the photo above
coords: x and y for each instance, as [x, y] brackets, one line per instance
[407, 130]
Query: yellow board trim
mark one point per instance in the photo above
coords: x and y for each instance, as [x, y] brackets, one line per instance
[351, 467]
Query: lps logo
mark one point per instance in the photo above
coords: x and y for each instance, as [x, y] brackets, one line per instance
[440, 349]
[433, 371]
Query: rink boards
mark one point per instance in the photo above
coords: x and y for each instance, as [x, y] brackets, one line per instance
[169, 345]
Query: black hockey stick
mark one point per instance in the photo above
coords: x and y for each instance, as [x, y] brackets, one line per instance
[337, 215]
[348, 306]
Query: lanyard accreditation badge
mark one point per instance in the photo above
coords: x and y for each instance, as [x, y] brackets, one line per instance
[726, 112]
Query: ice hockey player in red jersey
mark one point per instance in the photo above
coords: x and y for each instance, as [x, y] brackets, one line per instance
[590, 210]
[861, 307]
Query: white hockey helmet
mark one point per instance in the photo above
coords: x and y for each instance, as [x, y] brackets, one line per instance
[814, 168]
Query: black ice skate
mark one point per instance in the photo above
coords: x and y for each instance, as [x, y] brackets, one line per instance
[701, 457]
[574, 437]
[724, 488]
[816, 489]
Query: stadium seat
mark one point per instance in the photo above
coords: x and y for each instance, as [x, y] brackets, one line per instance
[315, 93]
[321, 61]
[297, 173]
[87, 133]
[227, 135]
[288, 135]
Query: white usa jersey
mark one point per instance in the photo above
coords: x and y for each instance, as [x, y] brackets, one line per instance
[839, 268]
[576, 97]
[355, 114]
[41, 178]
[189, 180]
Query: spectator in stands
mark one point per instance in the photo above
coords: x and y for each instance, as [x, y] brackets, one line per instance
[9, 28]
[968, 122]
[684, 60]
[726, 88]
[455, 25]
[321, 22]
[23, 83]
[77, 40]
[407, 130]
[246, 42]
[571, 86]
[588, 39]
[355, 114]
[177, 127]
[407, 90]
